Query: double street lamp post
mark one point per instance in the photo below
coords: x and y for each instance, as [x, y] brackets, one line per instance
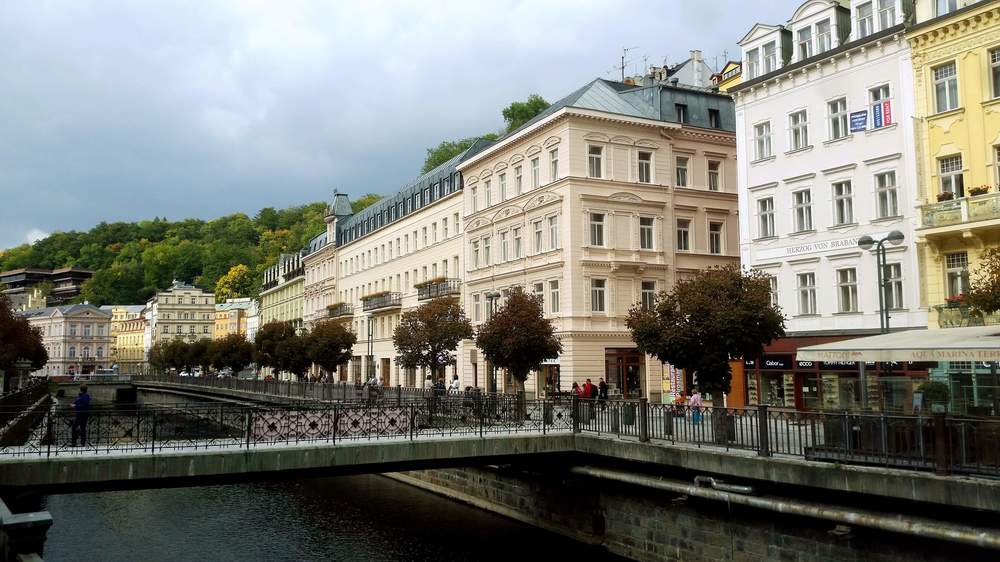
[866, 243]
[491, 306]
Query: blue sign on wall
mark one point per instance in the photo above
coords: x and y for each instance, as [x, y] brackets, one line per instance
[859, 121]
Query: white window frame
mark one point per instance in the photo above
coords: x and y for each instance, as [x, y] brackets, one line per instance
[765, 217]
[554, 296]
[994, 62]
[824, 39]
[798, 130]
[646, 233]
[866, 22]
[595, 161]
[945, 83]
[681, 176]
[716, 238]
[553, 224]
[683, 234]
[645, 166]
[843, 203]
[806, 289]
[837, 117]
[753, 63]
[886, 14]
[847, 290]
[804, 43]
[518, 181]
[956, 272]
[802, 206]
[893, 276]
[886, 194]
[950, 172]
[597, 222]
[770, 59]
[714, 176]
[537, 236]
[535, 174]
[647, 294]
[553, 164]
[598, 295]
[762, 141]
[518, 240]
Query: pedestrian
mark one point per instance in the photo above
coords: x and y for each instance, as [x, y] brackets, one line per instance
[589, 390]
[696, 405]
[81, 409]
[577, 391]
[456, 387]
[428, 383]
[602, 394]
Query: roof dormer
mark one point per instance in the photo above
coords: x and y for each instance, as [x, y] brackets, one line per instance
[818, 26]
[765, 49]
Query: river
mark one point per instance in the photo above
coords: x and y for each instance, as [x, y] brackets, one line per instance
[355, 518]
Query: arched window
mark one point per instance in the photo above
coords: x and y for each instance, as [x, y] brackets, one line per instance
[100, 351]
[72, 351]
[86, 352]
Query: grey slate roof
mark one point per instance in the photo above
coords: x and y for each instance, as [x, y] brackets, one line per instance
[65, 310]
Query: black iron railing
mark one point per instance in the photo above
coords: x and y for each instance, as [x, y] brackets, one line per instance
[227, 426]
[339, 310]
[386, 300]
[436, 289]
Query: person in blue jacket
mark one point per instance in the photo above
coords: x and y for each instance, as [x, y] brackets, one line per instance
[81, 409]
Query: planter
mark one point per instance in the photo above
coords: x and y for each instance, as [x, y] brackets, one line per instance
[945, 196]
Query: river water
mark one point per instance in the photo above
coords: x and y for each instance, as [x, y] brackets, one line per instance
[356, 518]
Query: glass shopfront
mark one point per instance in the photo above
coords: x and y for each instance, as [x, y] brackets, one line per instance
[623, 371]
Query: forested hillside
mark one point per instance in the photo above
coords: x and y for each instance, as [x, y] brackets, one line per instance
[132, 260]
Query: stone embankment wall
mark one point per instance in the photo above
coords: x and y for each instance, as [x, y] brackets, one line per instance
[648, 525]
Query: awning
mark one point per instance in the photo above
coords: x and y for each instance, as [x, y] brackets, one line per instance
[977, 343]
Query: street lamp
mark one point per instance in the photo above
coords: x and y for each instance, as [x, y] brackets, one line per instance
[866, 243]
[491, 299]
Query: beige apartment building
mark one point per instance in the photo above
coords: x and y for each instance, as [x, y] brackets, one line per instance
[127, 328]
[181, 311]
[608, 197]
[77, 338]
[231, 317]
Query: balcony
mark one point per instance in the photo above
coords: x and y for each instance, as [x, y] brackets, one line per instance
[339, 310]
[959, 316]
[438, 288]
[961, 211]
[380, 301]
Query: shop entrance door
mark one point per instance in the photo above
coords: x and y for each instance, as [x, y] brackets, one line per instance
[623, 372]
[806, 391]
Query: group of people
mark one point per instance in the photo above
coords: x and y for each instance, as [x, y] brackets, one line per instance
[591, 391]
[454, 387]
[694, 401]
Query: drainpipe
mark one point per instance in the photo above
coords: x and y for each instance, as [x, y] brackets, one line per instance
[916, 526]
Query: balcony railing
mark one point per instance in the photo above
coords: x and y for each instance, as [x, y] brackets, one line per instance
[339, 310]
[384, 300]
[951, 316]
[961, 211]
[440, 288]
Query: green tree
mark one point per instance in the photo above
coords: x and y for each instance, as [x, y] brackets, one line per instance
[444, 151]
[708, 319]
[232, 351]
[238, 282]
[200, 354]
[520, 112]
[364, 202]
[267, 341]
[158, 356]
[330, 344]
[293, 355]
[517, 337]
[984, 292]
[428, 335]
[19, 341]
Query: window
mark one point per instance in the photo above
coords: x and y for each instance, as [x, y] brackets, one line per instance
[799, 128]
[554, 296]
[995, 71]
[682, 171]
[683, 234]
[951, 175]
[488, 193]
[879, 105]
[714, 121]
[823, 40]
[504, 256]
[423, 232]
[553, 232]
[847, 290]
[765, 214]
[805, 43]
[946, 87]
[770, 57]
[807, 293]
[516, 236]
[645, 167]
[753, 64]
[444, 234]
[486, 253]
[946, 7]
[893, 275]
[865, 23]
[772, 281]
[537, 233]
[517, 180]
[843, 203]
[803, 210]
[503, 188]
[715, 237]
[476, 309]
[72, 349]
[996, 161]
[838, 118]
[646, 233]
[538, 291]
[86, 330]
[534, 173]
[475, 255]
[554, 164]
[713, 175]
[648, 293]
[886, 13]
[885, 193]
[594, 154]
[762, 140]
[434, 237]
[681, 111]
[475, 206]
[596, 229]
[957, 273]
[597, 287]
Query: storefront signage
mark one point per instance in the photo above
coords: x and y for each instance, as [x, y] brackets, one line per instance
[776, 362]
[749, 363]
[838, 365]
[821, 246]
[859, 121]
[805, 364]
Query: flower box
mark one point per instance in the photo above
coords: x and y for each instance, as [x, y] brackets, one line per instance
[979, 190]
[945, 196]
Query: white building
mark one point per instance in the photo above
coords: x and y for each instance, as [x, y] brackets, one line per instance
[826, 156]
[77, 338]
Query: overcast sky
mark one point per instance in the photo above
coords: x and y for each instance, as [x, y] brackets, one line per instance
[130, 110]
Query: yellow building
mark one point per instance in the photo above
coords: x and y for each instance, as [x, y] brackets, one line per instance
[281, 292]
[127, 330]
[956, 74]
[731, 75]
[231, 317]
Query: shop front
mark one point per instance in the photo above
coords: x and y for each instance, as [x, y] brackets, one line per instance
[623, 372]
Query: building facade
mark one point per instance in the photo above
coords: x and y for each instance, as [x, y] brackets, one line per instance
[77, 338]
[281, 291]
[62, 284]
[826, 156]
[231, 317]
[127, 327]
[182, 311]
[730, 75]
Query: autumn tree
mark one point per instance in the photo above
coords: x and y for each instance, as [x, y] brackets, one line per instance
[232, 351]
[19, 341]
[238, 282]
[330, 344]
[267, 341]
[428, 335]
[708, 319]
[984, 292]
[520, 112]
[517, 337]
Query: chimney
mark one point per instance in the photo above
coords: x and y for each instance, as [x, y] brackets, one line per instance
[696, 55]
[696, 62]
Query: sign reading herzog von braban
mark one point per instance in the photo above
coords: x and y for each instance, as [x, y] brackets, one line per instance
[810, 248]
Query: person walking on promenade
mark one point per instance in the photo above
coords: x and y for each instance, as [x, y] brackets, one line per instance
[455, 387]
[81, 409]
[577, 390]
[428, 383]
[696, 405]
[602, 394]
[589, 390]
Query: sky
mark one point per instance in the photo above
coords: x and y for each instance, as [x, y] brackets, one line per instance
[129, 110]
